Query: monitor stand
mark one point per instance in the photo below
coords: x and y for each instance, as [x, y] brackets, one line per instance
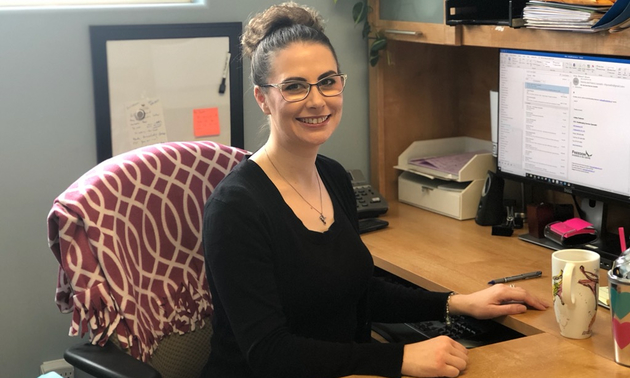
[594, 212]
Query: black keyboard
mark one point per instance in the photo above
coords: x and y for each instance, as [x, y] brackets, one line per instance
[460, 328]
[468, 331]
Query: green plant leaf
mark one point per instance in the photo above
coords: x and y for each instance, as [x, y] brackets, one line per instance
[374, 60]
[359, 12]
[367, 28]
[377, 45]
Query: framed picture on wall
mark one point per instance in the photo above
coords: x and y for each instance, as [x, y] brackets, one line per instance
[172, 82]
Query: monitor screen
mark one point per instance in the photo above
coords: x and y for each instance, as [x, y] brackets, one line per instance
[564, 124]
[564, 121]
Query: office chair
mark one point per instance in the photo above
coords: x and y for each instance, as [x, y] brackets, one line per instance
[127, 236]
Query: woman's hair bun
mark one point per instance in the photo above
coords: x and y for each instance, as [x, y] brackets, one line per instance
[277, 17]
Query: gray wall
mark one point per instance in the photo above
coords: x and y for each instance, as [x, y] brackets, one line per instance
[47, 140]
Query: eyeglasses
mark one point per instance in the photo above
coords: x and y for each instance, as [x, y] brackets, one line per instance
[296, 90]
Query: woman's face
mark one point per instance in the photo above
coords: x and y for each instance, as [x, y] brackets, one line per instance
[309, 122]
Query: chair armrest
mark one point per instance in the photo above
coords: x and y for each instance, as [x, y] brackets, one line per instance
[108, 362]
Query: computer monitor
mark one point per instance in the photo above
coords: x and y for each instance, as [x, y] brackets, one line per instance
[564, 123]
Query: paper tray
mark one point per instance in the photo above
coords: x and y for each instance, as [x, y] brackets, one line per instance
[453, 199]
[476, 168]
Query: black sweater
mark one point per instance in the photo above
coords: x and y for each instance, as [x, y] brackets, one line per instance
[290, 302]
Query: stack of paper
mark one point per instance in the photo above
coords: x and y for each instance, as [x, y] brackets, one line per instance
[450, 164]
[564, 15]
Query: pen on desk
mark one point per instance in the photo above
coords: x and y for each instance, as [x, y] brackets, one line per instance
[225, 71]
[523, 276]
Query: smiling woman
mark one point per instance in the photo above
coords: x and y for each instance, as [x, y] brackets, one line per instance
[32, 3]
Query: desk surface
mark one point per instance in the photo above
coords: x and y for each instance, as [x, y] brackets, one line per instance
[440, 253]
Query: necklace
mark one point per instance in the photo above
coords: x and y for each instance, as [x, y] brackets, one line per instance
[319, 185]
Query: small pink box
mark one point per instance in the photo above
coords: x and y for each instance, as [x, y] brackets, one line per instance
[572, 232]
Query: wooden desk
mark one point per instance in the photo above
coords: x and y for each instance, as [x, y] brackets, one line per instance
[440, 253]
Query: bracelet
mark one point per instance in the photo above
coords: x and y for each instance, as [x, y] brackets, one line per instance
[447, 312]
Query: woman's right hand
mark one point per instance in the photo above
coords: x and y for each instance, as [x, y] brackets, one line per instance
[437, 357]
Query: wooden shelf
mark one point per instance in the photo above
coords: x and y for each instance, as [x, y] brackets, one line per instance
[423, 32]
[546, 40]
[505, 37]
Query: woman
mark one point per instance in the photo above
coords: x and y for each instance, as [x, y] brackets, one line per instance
[291, 281]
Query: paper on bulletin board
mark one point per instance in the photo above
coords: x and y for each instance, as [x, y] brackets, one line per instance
[183, 73]
[145, 123]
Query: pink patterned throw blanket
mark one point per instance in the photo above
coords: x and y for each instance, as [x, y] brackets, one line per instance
[127, 235]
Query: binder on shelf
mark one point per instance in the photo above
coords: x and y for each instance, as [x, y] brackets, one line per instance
[485, 12]
[617, 15]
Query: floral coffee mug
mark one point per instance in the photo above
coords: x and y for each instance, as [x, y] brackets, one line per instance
[575, 280]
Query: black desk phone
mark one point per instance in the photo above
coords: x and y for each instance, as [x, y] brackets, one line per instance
[370, 203]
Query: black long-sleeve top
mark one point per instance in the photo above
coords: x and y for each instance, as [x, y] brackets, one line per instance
[290, 302]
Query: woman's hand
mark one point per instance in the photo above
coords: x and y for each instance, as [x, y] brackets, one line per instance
[437, 357]
[494, 301]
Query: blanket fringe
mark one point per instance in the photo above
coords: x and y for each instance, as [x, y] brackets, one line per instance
[187, 309]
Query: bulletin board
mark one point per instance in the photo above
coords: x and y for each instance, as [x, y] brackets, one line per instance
[162, 83]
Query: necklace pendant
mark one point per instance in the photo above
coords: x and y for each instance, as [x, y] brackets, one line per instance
[322, 218]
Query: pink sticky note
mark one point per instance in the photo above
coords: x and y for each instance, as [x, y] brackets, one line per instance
[206, 122]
